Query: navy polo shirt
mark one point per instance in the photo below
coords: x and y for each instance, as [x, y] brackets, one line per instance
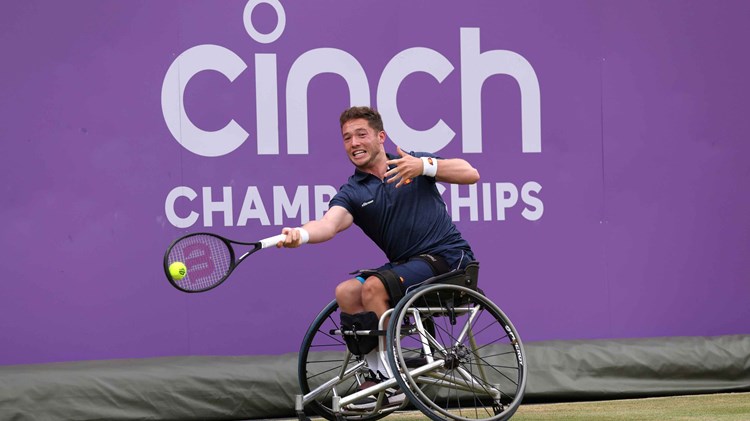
[403, 222]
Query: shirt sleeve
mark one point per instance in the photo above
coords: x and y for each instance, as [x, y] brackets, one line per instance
[343, 198]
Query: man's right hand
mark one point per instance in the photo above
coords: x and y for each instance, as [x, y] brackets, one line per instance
[293, 238]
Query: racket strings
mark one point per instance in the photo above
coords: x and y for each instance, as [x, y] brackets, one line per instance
[208, 260]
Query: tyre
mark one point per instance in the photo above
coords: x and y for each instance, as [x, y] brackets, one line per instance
[457, 354]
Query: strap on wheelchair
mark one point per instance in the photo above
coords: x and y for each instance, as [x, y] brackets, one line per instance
[360, 344]
[437, 263]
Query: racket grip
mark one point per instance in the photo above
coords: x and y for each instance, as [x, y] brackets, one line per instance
[272, 241]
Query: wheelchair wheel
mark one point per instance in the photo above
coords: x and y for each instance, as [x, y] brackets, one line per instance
[471, 363]
[323, 358]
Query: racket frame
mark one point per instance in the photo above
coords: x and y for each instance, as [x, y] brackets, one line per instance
[233, 261]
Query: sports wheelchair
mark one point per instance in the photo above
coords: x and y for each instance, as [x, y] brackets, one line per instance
[452, 352]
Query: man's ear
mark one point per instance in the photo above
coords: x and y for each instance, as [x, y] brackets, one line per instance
[382, 136]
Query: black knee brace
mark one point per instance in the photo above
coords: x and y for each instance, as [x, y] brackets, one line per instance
[393, 285]
[391, 281]
[360, 344]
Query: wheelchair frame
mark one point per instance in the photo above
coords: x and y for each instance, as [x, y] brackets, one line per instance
[447, 347]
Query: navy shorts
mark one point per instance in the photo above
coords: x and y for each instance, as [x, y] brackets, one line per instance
[415, 271]
[411, 273]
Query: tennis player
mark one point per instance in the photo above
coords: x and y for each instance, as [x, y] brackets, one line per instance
[394, 199]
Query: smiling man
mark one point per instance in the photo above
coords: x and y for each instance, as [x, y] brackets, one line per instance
[395, 201]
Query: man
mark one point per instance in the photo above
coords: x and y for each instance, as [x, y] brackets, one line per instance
[395, 201]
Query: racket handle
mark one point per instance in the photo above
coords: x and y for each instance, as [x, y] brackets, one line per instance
[272, 241]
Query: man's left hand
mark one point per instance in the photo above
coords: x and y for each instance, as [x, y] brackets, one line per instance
[405, 168]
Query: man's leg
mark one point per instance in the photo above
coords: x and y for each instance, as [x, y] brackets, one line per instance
[354, 316]
[361, 305]
[349, 296]
[374, 297]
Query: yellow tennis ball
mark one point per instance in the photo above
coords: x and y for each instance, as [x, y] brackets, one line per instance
[178, 270]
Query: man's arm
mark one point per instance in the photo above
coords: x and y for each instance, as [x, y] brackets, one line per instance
[335, 220]
[454, 170]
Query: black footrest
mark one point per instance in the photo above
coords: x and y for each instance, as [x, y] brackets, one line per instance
[357, 332]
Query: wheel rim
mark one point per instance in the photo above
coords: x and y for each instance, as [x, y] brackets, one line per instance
[480, 355]
[321, 357]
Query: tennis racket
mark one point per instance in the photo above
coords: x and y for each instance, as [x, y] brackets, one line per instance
[209, 259]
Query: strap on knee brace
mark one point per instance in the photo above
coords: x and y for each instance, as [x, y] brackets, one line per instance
[360, 344]
[392, 283]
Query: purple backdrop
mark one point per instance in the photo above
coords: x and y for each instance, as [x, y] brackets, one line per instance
[612, 152]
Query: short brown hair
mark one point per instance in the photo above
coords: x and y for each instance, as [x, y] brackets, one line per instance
[370, 114]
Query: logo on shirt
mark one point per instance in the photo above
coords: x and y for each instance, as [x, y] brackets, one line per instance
[367, 203]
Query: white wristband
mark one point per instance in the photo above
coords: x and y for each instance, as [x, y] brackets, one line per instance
[429, 166]
[304, 236]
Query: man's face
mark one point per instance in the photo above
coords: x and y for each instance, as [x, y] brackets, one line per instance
[361, 142]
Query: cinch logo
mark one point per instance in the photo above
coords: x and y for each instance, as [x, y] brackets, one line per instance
[475, 68]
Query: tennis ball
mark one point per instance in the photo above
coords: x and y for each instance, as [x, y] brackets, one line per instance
[177, 270]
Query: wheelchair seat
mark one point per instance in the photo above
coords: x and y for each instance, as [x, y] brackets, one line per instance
[467, 277]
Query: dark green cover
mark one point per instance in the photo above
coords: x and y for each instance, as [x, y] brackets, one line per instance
[263, 387]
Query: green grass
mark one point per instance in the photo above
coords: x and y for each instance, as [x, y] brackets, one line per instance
[729, 407]
[716, 407]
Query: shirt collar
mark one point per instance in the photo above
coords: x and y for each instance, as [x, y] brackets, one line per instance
[360, 176]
